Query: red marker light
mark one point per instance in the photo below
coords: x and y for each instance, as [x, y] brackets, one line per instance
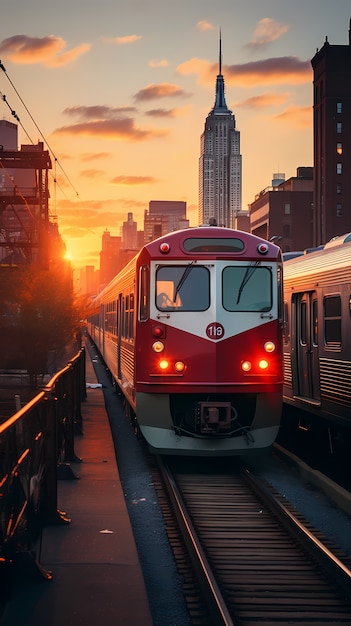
[165, 247]
[262, 248]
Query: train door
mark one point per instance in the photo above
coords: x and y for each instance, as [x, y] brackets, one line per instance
[306, 346]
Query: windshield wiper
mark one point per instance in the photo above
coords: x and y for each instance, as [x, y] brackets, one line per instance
[182, 280]
[248, 273]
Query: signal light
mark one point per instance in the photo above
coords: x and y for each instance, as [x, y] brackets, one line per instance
[157, 331]
[246, 366]
[158, 346]
[269, 346]
[263, 364]
[165, 247]
[163, 364]
[262, 248]
[179, 366]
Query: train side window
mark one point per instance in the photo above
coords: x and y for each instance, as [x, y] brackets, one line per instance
[144, 293]
[315, 322]
[332, 321]
[303, 323]
[286, 323]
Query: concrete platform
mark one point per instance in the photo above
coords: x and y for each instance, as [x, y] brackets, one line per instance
[97, 577]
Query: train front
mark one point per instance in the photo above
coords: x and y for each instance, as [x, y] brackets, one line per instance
[208, 361]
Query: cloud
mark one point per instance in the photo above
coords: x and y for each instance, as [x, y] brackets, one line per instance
[47, 51]
[122, 41]
[297, 116]
[204, 25]
[112, 129]
[98, 112]
[162, 112]
[267, 31]
[133, 180]
[92, 173]
[273, 71]
[94, 156]
[163, 90]
[161, 63]
[262, 101]
[107, 123]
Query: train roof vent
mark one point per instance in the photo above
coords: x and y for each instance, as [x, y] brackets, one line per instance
[338, 241]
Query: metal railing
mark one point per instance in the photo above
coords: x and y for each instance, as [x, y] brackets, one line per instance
[35, 443]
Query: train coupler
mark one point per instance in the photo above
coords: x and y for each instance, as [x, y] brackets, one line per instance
[214, 417]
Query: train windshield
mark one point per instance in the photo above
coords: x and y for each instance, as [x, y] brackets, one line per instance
[247, 288]
[182, 288]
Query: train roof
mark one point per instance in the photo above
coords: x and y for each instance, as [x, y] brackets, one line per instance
[331, 264]
[211, 241]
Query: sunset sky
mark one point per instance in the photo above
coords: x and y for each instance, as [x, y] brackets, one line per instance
[119, 93]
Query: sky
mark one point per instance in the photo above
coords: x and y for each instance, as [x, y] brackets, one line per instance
[119, 92]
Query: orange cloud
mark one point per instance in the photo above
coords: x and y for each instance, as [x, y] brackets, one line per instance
[92, 173]
[122, 41]
[204, 25]
[163, 90]
[162, 112]
[273, 71]
[94, 156]
[112, 129]
[161, 63]
[98, 112]
[262, 101]
[133, 180]
[298, 116]
[267, 31]
[48, 51]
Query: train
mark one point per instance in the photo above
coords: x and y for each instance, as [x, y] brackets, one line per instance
[317, 337]
[191, 332]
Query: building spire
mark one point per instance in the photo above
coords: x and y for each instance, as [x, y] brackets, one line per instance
[220, 103]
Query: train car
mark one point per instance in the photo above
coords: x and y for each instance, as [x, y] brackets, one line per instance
[191, 330]
[317, 335]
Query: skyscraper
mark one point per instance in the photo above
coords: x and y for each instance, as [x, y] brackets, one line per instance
[220, 162]
[332, 131]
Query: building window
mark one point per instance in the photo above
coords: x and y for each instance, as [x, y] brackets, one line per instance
[339, 107]
[339, 168]
[338, 210]
[339, 188]
[286, 231]
[339, 148]
[287, 209]
[339, 127]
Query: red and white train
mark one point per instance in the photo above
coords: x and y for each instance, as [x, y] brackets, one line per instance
[191, 331]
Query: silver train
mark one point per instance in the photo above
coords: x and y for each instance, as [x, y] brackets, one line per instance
[317, 335]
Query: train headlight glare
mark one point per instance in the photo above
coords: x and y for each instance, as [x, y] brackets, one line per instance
[269, 346]
[158, 346]
[163, 364]
[179, 366]
[246, 366]
[263, 364]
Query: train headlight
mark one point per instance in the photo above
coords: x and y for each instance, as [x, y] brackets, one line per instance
[158, 346]
[163, 364]
[263, 364]
[269, 346]
[179, 366]
[246, 366]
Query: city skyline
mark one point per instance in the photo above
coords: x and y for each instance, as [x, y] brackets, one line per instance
[121, 97]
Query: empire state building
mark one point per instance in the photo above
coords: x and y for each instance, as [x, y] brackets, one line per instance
[220, 162]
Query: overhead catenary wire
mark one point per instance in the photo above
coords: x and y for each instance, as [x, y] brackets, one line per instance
[13, 112]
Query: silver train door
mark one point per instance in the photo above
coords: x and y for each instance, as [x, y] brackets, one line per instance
[306, 346]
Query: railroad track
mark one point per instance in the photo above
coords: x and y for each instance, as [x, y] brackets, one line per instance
[255, 561]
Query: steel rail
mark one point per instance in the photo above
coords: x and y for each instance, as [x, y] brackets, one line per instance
[206, 578]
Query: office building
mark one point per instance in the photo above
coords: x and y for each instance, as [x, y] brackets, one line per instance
[220, 168]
